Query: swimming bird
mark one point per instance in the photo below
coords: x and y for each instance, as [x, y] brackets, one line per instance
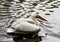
[27, 24]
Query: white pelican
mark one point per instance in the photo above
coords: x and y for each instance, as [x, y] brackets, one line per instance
[26, 24]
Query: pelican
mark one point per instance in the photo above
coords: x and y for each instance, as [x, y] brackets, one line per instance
[27, 25]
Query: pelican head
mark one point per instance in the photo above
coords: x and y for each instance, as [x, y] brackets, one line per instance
[36, 15]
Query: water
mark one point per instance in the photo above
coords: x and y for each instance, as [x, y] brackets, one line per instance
[49, 9]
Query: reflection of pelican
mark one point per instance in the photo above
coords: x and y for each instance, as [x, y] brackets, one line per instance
[27, 24]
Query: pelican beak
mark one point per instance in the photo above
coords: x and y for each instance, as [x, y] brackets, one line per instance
[40, 18]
